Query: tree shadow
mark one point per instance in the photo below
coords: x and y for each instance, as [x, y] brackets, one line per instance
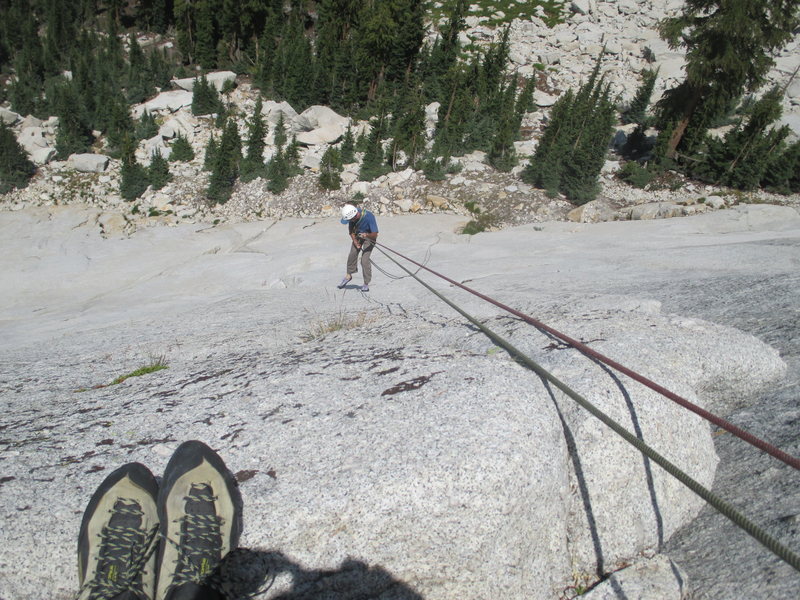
[245, 573]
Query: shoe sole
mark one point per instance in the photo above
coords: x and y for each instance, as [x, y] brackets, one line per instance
[194, 462]
[132, 481]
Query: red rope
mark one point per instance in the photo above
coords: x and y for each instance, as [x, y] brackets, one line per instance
[718, 421]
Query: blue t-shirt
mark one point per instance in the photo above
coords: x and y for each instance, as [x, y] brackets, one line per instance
[366, 224]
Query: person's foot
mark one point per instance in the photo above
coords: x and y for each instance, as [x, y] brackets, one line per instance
[365, 288]
[200, 509]
[345, 281]
[118, 537]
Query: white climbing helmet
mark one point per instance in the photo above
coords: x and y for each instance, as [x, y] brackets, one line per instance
[348, 213]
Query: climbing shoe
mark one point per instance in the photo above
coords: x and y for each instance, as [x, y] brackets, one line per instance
[200, 511]
[118, 537]
[344, 282]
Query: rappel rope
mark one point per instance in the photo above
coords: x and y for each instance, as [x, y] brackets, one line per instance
[726, 509]
[718, 421]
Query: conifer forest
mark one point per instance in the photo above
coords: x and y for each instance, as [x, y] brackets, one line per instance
[80, 60]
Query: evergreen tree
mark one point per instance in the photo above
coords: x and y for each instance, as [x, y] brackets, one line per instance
[147, 126]
[205, 47]
[205, 99]
[253, 163]
[292, 158]
[181, 150]
[730, 46]
[15, 167]
[279, 133]
[572, 149]
[372, 165]
[226, 165]
[158, 172]
[211, 153]
[348, 149]
[783, 172]
[74, 133]
[502, 154]
[159, 71]
[637, 111]
[741, 158]
[408, 126]
[133, 178]
[276, 173]
[118, 124]
[440, 60]
[329, 169]
[138, 85]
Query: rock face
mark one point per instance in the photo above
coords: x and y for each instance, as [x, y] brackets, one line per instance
[390, 436]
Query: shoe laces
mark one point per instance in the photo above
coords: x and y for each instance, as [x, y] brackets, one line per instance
[123, 554]
[201, 539]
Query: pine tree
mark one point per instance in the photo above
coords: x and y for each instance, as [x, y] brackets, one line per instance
[181, 150]
[372, 165]
[730, 47]
[742, 157]
[408, 126]
[226, 165]
[329, 169]
[637, 111]
[133, 178]
[74, 133]
[348, 149]
[205, 47]
[572, 149]
[205, 99]
[16, 169]
[279, 133]
[276, 173]
[138, 86]
[502, 154]
[158, 172]
[783, 172]
[210, 154]
[146, 127]
[253, 163]
[292, 158]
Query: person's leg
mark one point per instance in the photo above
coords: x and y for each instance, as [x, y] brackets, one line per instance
[352, 260]
[366, 265]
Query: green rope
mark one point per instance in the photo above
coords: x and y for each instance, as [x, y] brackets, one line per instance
[739, 519]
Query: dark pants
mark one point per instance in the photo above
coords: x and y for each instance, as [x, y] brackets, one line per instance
[366, 266]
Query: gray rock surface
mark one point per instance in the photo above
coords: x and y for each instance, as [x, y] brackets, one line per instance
[374, 433]
[88, 163]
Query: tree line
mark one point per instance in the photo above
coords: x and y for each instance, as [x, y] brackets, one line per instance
[369, 60]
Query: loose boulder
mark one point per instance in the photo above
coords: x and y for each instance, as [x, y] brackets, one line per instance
[88, 163]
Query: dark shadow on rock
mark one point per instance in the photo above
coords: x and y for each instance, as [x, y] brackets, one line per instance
[637, 429]
[246, 572]
[581, 478]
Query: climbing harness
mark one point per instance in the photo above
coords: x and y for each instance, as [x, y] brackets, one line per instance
[738, 518]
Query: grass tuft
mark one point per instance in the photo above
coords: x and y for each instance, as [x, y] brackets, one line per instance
[156, 364]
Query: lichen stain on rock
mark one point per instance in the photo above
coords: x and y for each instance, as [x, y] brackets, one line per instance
[411, 384]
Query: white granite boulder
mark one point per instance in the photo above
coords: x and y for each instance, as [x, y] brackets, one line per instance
[328, 134]
[218, 79]
[9, 117]
[42, 156]
[171, 101]
[317, 116]
[88, 163]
